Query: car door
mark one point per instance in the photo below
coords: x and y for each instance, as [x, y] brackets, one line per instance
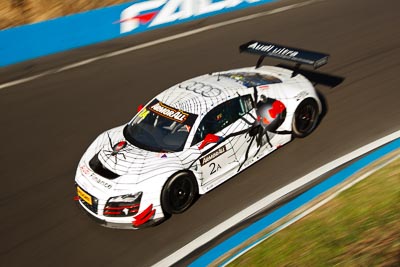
[242, 141]
[214, 137]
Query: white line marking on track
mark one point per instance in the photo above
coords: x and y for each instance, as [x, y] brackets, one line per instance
[157, 42]
[270, 199]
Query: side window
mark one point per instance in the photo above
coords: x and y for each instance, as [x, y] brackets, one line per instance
[222, 116]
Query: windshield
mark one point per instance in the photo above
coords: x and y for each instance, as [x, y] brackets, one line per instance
[160, 128]
[251, 79]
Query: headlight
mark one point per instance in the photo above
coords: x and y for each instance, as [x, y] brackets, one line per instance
[121, 206]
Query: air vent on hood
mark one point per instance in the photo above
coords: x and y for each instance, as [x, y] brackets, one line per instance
[101, 170]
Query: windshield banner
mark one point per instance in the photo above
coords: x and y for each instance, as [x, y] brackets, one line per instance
[168, 112]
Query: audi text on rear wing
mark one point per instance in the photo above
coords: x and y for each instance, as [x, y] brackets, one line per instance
[300, 56]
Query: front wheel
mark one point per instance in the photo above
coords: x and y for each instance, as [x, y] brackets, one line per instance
[305, 118]
[179, 193]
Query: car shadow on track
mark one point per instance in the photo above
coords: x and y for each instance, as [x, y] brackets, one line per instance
[316, 77]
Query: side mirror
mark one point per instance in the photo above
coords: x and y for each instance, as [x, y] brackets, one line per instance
[210, 138]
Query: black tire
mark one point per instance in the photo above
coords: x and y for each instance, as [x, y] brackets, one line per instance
[305, 118]
[179, 193]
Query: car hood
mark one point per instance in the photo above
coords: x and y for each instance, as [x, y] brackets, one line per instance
[126, 161]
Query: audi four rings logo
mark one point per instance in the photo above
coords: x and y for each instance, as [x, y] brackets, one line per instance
[200, 88]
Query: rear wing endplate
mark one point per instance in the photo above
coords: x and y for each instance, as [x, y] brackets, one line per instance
[300, 56]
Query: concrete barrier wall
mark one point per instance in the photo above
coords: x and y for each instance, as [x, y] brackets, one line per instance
[40, 39]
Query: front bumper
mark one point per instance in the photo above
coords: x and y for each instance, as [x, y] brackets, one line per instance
[146, 216]
[116, 225]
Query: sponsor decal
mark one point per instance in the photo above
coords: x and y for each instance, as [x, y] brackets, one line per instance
[87, 172]
[101, 182]
[213, 155]
[84, 196]
[281, 51]
[139, 13]
[143, 113]
[301, 56]
[159, 12]
[301, 95]
[169, 112]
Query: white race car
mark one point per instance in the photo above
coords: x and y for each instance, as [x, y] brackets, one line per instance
[194, 136]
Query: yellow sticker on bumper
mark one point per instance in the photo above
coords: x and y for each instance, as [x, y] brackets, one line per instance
[84, 196]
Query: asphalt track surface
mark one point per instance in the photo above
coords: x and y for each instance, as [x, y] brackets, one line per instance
[47, 123]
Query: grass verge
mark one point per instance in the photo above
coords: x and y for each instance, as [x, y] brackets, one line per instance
[19, 12]
[360, 227]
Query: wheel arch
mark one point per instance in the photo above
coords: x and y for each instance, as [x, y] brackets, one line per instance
[184, 172]
[310, 101]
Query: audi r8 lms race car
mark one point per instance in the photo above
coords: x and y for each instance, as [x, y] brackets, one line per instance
[196, 135]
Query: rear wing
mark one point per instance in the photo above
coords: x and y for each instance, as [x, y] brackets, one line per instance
[300, 56]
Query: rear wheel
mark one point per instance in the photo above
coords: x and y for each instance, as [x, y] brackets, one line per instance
[305, 118]
[179, 193]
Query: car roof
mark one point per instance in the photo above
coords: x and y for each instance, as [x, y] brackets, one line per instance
[200, 94]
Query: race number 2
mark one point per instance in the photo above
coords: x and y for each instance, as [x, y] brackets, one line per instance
[214, 167]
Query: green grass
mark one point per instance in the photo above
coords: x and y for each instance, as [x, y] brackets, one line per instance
[360, 227]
